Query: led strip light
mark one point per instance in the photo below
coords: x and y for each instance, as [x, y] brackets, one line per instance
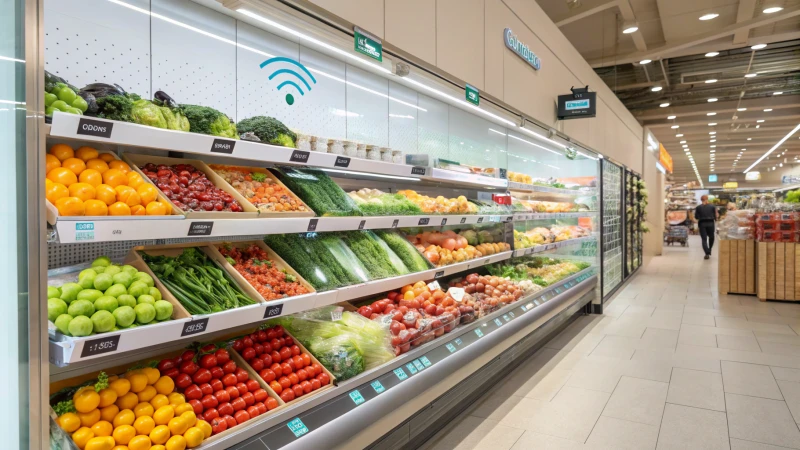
[785, 138]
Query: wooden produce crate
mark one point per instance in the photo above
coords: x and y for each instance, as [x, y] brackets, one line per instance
[737, 266]
[266, 214]
[778, 266]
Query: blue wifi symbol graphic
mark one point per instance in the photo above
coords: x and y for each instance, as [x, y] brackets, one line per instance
[292, 73]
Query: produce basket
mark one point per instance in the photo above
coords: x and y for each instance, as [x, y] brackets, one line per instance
[308, 212]
[248, 210]
[279, 263]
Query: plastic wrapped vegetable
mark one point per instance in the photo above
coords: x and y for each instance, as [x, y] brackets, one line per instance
[145, 112]
[318, 190]
[411, 257]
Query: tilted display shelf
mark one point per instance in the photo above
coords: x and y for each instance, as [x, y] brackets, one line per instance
[68, 350]
[555, 245]
[514, 186]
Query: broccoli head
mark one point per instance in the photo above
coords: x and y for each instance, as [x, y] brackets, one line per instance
[207, 120]
[269, 130]
[117, 107]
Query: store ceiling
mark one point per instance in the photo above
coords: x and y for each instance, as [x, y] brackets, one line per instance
[672, 36]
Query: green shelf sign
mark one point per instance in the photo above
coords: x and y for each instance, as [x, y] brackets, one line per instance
[473, 96]
[368, 46]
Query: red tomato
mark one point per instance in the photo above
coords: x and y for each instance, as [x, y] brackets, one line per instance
[267, 375]
[230, 420]
[315, 384]
[187, 355]
[306, 359]
[232, 392]
[222, 396]
[267, 359]
[289, 341]
[298, 390]
[293, 378]
[298, 362]
[248, 398]
[271, 403]
[225, 409]
[222, 356]
[242, 388]
[252, 385]
[267, 347]
[217, 372]
[252, 411]
[262, 335]
[208, 361]
[248, 353]
[257, 364]
[193, 392]
[271, 334]
[238, 345]
[276, 367]
[302, 375]
[306, 387]
[258, 348]
[207, 348]
[324, 379]
[262, 408]
[206, 389]
[218, 425]
[260, 395]
[202, 376]
[189, 367]
[286, 353]
[229, 367]
[242, 375]
[282, 341]
[172, 373]
[229, 379]
[276, 357]
[241, 417]
[196, 405]
[209, 401]
[247, 342]
[216, 385]
[287, 395]
[165, 364]
[295, 350]
[275, 386]
[210, 414]
[275, 343]
[284, 382]
[286, 369]
[238, 404]
[317, 368]
[183, 381]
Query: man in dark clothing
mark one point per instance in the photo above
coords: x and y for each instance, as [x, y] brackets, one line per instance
[705, 215]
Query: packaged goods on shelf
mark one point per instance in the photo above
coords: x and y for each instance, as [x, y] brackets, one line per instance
[491, 207]
[520, 177]
[440, 204]
[738, 224]
[777, 226]
[542, 235]
[107, 297]
[374, 202]
[263, 190]
[343, 341]
[542, 270]
[319, 191]
[487, 293]
[448, 247]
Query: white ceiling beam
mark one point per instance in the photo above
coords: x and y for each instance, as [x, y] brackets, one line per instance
[671, 48]
[565, 20]
[746, 10]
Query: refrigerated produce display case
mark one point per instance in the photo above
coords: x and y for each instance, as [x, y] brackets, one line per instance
[338, 260]
[634, 220]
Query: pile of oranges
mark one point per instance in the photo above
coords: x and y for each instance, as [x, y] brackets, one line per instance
[137, 411]
[85, 182]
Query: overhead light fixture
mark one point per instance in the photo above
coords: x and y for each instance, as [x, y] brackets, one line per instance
[712, 124]
[679, 135]
[777, 93]
[780, 165]
[629, 28]
[768, 110]
[713, 146]
[712, 132]
[656, 88]
[712, 80]
[760, 121]
[711, 54]
[685, 146]
[670, 117]
[711, 114]
[712, 100]
[758, 46]
[765, 155]
[749, 139]
[663, 105]
[682, 142]
[772, 9]
[709, 16]
[741, 109]
[675, 126]
[645, 61]
[758, 126]
[750, 75]
[713, 140]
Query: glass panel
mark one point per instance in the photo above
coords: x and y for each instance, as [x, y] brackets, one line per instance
[473, 142]
[367, 109]
[612, 227]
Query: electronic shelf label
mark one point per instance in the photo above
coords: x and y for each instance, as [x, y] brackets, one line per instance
[458, 342]
[411, 368]
[418, 365]
[377, 386]
[451, 347]
[479, 332]
[425, 361]
[498, 322]
[401, 374]
[511, 313]
[297, 427]
[356, 397]
[506, 318]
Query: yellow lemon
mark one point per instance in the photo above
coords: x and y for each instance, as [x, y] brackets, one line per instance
[152, 374]
[205, 427]
[69, 422]
[102, 428]
[159, 400]
[86, 153]
[160, 434]
[121, 386]
[124, 417]
[123, 434]
[121, 447]
[127, 401]
[90, 418]
[144, 425]
[164, 385]
[178, 425]
[140, 443]
[138, 382]
[107, 397]
[194, 437]
[82, 436]
[163, 415]
[176, 443]
[189, 417]
[86, 400]
[143, 409]
[147, 394]
[158, 447]
[109, 412]
[176, 398]
[182, 408]
[100, 443]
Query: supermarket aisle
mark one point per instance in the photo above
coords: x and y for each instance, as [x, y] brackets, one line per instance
[671, 364]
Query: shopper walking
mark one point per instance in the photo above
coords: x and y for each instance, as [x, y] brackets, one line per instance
[706, 215]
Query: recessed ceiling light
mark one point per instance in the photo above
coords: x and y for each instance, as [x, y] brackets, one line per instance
[758, 126]
[675, 126]
[709, 16]
[670, 117]
[628, 29]
[772, 9]
[682, 142]
[750, 75]
[711, 54]
[712, 150]
[663, 105]
[760, 121]
[712, 100]
[768, 110]
[744, 149]
[645, 61]
[749, 139]
[685, 146]
[656, 88]
[712, 80]
[711, 114]
[713, 140]
[758, 46]
[777, 93]
[679, 135]
[712, 124]
[741, 109]
[713, 146]
[712, 132]
[780, 165]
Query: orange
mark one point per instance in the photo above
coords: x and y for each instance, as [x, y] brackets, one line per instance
[143, 409]
[86, 153]
[70, 206]
[82, 436]
[148, 393]
[140, 443]
[205, 427]
[107, 396]
[74, 164]
[160, 434]
[102, 428]
[69, 422]
[194, 437]
[107, 157]
[144, 425]
[90, 418]
[106, 194]
[63, 176]
[114, 177]
[100, 443]
[97, 164]
[56, 191]
[51, 162]
[138, 210]
[109, 412]
[128, 195]
[83, 191]
[124, 417]
[123, 434]
[155, 209]
[164, 385]
[119, 209]
[119, 165]
[160, 399]
[91, 176]
[148, 193]
[95, 208]
[163, 415]
[167, 206]
[134, 179]
[62, 151]
[176, 443]
[123, 188]
[129, 400]
[182, 408]
[177, 425]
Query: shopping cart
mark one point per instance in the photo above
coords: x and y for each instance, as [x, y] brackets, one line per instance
[677, 233]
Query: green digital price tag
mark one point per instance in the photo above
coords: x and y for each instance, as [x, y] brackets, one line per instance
[458, 342]
[451, 347]
[411, 368]
[506, 318]
[298, 427]
[401, 374]
[425, 361]
[498, 322]
[418, 364]
[479, 332]
[377, 386]
[357, 397]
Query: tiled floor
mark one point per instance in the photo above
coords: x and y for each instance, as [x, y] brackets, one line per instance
[670, 365]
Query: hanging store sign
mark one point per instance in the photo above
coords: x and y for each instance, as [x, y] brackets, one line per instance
[712, 178]
[753, 175]
[368, 45]
[578, 105]
[664, 158]
[730, 185]
[522, 50]
[473, 96]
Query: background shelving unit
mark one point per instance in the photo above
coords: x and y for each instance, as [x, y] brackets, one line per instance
[633, 225]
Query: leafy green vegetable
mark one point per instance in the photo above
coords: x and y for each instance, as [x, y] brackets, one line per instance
[63, 407]
[144, 112]
[310, 259]
[411, 257]
[117, 107]
[377, 203]
[102, 382]
[269, 130]
[318, 191]
[258, 176]
[205, 120]
[374, 257]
